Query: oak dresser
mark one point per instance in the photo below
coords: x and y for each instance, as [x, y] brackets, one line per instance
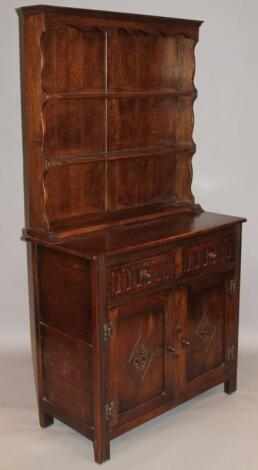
[134, 289]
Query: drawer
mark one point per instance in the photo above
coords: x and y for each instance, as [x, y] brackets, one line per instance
[142, 274]
[208, 254]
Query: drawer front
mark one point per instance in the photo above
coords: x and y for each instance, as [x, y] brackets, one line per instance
[139, 275]
[207, 254]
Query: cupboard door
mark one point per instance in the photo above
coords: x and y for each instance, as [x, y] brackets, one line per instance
[137, 357]
[204, 334]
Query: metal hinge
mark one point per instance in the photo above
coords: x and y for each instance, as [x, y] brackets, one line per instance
[108, 331]
[232, 286]
[231, 352]
[109, 410]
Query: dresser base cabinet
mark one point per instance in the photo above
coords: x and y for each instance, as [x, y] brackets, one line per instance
[116, 343]
[134, 288]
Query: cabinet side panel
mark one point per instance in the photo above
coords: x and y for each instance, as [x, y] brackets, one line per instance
[68, 378]
[31, 29]
[65, 298]
[65, 326]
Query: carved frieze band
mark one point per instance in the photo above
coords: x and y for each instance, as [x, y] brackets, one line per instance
[134, 276]
[203, 256]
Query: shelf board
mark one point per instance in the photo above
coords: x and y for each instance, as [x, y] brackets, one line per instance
[118, 155]
[121, 94]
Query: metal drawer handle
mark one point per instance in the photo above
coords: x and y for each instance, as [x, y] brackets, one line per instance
[185, 342]
[171, 349]
[212, 255]
[146, 277]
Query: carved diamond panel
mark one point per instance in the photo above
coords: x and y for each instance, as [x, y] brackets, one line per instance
[139, 360]
[205, 332]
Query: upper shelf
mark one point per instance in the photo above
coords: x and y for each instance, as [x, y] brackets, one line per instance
[99, 91]
[122, 94]
[117, 63]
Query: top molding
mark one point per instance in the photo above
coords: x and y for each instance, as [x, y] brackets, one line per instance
[34, 9]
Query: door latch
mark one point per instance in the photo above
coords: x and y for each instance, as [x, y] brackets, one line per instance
[109, 410]
[232, 286]
[108, 331]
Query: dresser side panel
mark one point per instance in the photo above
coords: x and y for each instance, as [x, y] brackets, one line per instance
[31, 30]
[66, 336]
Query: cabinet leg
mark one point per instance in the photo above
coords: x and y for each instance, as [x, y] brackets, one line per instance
[101, 451]
[45, 419]
[231, 385]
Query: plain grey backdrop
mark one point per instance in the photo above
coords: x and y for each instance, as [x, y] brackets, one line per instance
[225, 180]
